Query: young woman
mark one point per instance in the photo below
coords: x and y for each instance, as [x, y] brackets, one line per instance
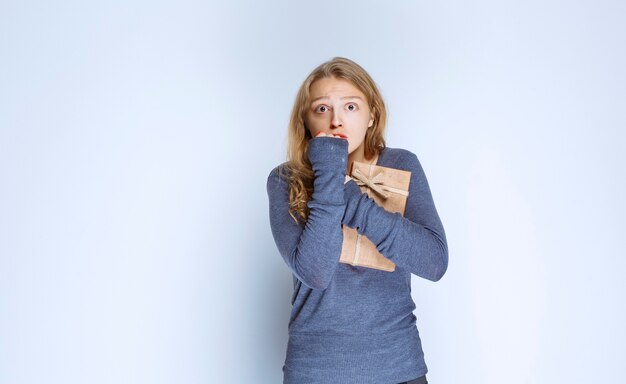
[349, 324]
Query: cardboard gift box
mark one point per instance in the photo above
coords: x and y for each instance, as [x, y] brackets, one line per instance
[389, 188]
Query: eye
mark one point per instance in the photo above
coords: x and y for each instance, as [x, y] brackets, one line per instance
[352, 107]
[321, 108]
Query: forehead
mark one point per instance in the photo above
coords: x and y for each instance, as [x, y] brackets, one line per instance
[332, 86]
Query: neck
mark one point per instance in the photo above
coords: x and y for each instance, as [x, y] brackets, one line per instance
[359, 156]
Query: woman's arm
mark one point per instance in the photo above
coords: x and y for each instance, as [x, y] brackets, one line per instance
[312, 251]
[417, 241]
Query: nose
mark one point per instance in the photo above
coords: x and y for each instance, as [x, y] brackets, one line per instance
[336, 120]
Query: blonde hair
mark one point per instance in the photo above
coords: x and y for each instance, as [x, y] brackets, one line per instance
[300, 172]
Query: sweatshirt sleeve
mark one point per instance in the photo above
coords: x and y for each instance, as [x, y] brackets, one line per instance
[312, 250]
[417, 241]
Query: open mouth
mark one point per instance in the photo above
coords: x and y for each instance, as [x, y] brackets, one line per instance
[340, 135]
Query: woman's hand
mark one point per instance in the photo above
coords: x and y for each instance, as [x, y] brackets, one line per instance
[327, 152]
[324, 134]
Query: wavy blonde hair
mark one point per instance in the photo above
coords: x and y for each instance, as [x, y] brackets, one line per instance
[300, 172]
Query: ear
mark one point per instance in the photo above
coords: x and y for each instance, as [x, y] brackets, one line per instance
[371, 122]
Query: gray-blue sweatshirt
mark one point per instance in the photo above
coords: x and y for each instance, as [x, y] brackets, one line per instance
[354, 324]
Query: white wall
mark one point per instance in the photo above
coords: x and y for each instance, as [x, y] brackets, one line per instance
[135, 141]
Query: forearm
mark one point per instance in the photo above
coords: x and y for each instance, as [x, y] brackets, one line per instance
[415, 247]
[312, 250]
[417, 241]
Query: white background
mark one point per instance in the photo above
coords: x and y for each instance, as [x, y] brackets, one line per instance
[135, 142]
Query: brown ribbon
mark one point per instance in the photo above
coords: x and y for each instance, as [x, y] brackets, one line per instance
[376, 183]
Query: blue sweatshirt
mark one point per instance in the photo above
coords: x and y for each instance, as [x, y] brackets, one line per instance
[354, 324]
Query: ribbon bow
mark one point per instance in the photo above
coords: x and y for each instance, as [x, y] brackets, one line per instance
[376, 183]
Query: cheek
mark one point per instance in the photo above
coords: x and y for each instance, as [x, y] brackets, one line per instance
[359, 125]
[313, 125]
[354, 141]
[360, 130]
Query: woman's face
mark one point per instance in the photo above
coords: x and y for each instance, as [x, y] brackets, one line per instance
[338, 107]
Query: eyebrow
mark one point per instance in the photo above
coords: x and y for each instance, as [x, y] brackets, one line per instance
[343, 98]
